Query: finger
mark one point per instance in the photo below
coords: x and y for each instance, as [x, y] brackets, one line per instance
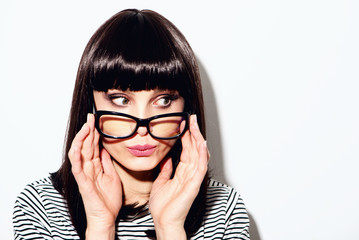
[76, 164]
[97, 166]
[202, 164]
[208, 153]
[183, 124]
[96, 156]
[77, 143]
[191, 141]
[74, 153]
[96, 140]
[195, 131]
[186, 137]
[80, 137]
[166, 171]
[107, 165]
[87, 150]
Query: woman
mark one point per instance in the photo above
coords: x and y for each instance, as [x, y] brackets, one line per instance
[136, 157]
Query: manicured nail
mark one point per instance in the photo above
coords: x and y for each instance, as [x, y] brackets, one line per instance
[194, 122]
[195, 117]
[88, 116]
[205, 144]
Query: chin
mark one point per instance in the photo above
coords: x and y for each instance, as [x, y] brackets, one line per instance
[140, 164]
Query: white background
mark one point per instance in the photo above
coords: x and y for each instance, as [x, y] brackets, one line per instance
[281, 81]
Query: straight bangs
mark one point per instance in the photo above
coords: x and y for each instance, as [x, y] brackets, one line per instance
[135, 53]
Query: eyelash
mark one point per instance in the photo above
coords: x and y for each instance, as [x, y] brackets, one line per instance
[116, 96]
[170, 97]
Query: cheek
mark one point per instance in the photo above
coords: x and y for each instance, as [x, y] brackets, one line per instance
[166, 146]
[114, 146]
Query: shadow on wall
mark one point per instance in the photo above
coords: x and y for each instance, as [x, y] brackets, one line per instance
[216, 165]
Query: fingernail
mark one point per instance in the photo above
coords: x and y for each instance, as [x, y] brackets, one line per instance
[195, 117]
[194, 122]
[88, 116]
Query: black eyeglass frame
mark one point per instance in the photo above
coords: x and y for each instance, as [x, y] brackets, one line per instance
[140, 123]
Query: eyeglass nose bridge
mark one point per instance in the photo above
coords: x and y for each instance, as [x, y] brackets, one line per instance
[143, 123]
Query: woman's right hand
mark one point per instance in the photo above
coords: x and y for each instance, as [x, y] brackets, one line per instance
[99, 184]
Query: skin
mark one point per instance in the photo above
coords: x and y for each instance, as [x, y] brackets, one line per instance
[106, 185]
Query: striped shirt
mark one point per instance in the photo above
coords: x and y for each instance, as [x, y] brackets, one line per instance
[41, 212]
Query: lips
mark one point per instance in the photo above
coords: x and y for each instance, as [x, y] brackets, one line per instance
[142, 150]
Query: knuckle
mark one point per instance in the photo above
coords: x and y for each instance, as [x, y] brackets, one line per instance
[204, 168]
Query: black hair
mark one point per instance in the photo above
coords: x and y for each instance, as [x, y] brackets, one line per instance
[133, 50]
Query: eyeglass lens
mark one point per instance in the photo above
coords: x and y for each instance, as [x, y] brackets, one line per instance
[121, 126]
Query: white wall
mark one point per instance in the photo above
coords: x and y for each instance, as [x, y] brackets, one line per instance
[281, 81]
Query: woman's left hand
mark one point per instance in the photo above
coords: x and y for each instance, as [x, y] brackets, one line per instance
[171, 199]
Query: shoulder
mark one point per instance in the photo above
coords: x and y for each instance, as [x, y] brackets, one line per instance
[39, 191]
[40, 185]
[40, 211]
[39, 197]
[226, 216]
[220, 192]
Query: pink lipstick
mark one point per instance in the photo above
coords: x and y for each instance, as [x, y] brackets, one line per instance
[142, 150]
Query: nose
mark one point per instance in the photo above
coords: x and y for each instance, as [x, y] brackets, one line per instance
[141, 113]
[142, 131]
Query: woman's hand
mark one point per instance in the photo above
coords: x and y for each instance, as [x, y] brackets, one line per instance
[171, 199]
[99, 184]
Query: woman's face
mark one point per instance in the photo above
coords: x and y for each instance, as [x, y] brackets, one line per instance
[140, 152]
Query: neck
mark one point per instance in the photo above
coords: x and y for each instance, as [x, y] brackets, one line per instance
[136, 185]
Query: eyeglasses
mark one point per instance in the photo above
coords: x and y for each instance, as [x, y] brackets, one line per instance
[119, 125]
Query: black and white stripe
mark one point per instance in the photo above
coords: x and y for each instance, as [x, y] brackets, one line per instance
[40, 212]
